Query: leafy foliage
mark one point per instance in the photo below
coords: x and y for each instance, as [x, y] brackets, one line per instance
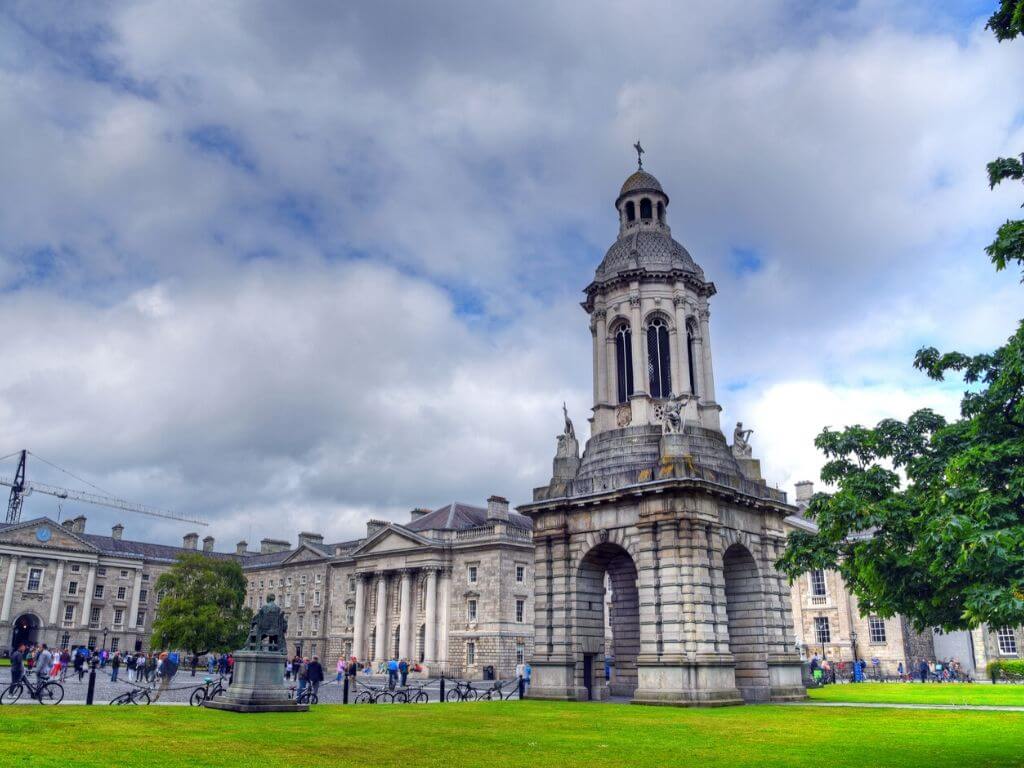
[928, 517]
[202, 609]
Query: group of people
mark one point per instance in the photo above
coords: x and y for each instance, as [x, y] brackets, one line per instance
[306, 671]
[950, 671]
[825, 671]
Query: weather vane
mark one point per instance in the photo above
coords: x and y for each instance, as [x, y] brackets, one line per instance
[639, 152]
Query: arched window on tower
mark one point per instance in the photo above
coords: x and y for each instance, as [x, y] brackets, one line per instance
[630, 211]
[691, 333]
[624, 362]
[661, 212]
[645, 209]
[659, 362]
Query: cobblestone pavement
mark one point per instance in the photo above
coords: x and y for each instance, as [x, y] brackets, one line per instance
[181, 687]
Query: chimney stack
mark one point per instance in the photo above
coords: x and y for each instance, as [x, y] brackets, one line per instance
[417, 513]
[372, 526]
[190, 540]
[242, 548]
[208, 544]
[804, 492]
[116, 531]
[270, 546]
[79, 524]
[497, 508]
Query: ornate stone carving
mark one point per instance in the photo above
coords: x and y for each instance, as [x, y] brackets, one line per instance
[623, 415]
[741, 441]
[268, 628]
[672, 422]
[634, 300]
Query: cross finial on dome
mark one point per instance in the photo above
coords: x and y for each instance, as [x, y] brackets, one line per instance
[639, 152]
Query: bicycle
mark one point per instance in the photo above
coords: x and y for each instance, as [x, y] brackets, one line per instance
[133, 696]
[207, 691]
[308, 696]
[409, 695]
[47, 692]
[463, 691]
[497, 691]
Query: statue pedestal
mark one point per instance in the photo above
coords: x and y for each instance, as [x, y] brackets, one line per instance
[257, 685]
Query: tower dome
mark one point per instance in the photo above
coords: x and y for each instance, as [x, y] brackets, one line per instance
[641, 181]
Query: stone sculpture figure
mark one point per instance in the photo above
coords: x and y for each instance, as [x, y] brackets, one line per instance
[673, 421]
[569, 429]
[741, 441]
[268, 628]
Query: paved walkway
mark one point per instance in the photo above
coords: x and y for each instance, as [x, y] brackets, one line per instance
[896, 705]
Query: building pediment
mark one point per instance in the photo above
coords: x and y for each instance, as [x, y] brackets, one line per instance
[303, 554]
[44, 533]
[392, 538]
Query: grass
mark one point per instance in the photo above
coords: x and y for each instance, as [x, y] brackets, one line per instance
[497, 734]
[927, 693]
[5, 662]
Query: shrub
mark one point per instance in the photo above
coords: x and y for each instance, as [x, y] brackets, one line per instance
[1012, 669]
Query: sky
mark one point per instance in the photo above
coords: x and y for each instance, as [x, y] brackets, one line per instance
[289, 266]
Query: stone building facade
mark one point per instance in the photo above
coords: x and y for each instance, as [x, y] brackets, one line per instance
[828, 624]
[659, 506]
[450, 589]
[65, 587]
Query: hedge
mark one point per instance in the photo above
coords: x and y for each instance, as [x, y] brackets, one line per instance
[1012, 669]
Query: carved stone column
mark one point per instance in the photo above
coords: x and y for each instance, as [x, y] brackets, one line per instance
[136, 599]
[380, 651]
[12, 573]
[405, 617]
[90, 589]
[430, 633]
[681, 369]
[708, 370]
[359, 628]
[58, 586]
[601, 383]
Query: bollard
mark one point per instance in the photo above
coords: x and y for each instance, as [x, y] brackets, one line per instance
[522, 687]
[344, 691]
[442, 690]
[92, 682]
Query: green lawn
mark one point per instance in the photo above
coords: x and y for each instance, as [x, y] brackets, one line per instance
[497, 734]
[926, 693]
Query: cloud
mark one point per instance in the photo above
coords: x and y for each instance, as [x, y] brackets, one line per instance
[288, 267]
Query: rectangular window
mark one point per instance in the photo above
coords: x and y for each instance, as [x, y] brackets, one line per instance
[302, 580]
[145, 577]
[520, 609]
[94, 616]
[316, 598]
[75, 567]
[288, 581]
[69, 613]
[520, 573]
[92, 642]
[520, 653]
[1007, 641]
[287, 600]
[72, 587]
[118, 617]
[140, 619]
[261, 583]
[471, 574]
[351, 584]
[35, 577]
[350, 616]
[124, 573]
[470, 653]
[122, 592]
[101, 571]
[317, 578]
[471, 610]
[143, 595]
[115, 642]
[876, 629]
[302, 599]
[817, 583]
[97, 593]
[822, 633]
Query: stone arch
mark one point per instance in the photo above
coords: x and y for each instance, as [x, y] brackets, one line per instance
[661, 212]
[630, 209]
[606, 616]
[744, 603]
[659, 314]
[646, 213]
[25, 629]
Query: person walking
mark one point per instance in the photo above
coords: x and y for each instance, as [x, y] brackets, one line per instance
[166, 668]
[403, 671]
[17, 663]
[527, 672]
[129, 667]
[43, 664]
[392, 673]
[342, 666]
[115, 665]
[301, 676]
[314, 674]
[352, 671]
[922, 670]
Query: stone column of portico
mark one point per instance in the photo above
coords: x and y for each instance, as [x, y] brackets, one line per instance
[784, 667]
[708, 370]
[601, 382]
[90, 588]
[133, 613]
[405, 616]
[698, 365]
[12, 573]
[555, 659]
[430, 632]
[380, 651]
[444, 586]
[58, 588]
[359, 630]
[638, 400]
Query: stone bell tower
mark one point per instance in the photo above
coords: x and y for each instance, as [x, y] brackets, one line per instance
[659, 506]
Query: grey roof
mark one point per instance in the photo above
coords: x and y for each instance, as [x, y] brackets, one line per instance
[649, 249]
[641, 181]
[124, 548]
[459, 517]
[275, 558]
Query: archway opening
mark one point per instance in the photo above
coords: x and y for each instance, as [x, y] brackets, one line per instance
[26, 630]
[744, 604]
[607, 622]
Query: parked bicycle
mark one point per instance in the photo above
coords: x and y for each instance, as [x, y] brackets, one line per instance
[207, 691]
[497, 691]
[47, 692]
[306, 696]
[132, 696]
[410, 695]
[462, 691]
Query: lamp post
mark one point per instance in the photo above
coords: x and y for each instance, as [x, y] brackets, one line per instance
[853, 644]
[106, 630]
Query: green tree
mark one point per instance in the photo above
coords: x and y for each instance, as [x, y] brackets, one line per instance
[927, 519]
[202, 608]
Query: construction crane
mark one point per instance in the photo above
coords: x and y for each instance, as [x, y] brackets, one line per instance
[20, 488]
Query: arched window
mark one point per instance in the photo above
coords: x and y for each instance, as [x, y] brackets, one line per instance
[645, 209]
[624, 362]
[661, 212]
[630, 211]
[691, 332]
[659, 361]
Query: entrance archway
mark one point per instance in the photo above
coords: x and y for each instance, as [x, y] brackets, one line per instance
[745, 609]
[26, 630]
[607, 621]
